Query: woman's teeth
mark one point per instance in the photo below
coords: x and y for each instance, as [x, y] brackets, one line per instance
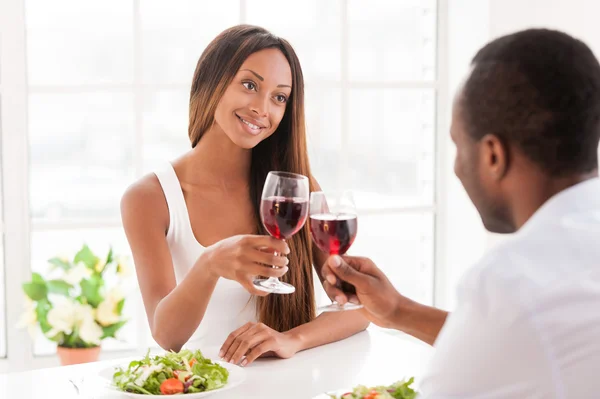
[250, 124]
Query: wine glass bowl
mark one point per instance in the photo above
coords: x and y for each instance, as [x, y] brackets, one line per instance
[333, 227]
[283, 212]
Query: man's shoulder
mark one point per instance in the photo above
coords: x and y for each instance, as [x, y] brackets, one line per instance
[505, 270]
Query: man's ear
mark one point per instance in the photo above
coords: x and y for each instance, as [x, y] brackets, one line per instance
[494, 156]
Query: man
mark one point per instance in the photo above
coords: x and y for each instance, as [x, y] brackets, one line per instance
[526, 125]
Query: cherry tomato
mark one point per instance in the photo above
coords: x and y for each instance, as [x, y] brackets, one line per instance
[171, 386]
[372, 395]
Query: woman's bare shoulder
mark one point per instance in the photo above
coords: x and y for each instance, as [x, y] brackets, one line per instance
[145, 198]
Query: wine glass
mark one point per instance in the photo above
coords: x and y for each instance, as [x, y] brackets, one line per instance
[333, 226]
[283, 211]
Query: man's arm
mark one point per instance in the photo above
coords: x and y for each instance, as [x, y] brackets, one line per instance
[384, 305]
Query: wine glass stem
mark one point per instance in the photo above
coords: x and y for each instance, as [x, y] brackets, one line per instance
[273, 280]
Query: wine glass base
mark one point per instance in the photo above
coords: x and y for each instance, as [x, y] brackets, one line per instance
[336, 307]
[274, 286]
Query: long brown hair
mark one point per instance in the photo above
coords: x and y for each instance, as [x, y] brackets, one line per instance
[284, 150]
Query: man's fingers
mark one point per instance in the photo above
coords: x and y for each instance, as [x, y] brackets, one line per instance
[344, 271]
[334, 293]
[327, 274]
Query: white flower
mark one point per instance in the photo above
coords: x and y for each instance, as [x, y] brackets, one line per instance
[116, 294]
[106, 314]
[69, 315]
[100, 266]
[29, 317]
[83, 312]
[78, 273]
[90, 331]
[62, 318]
[123, 266]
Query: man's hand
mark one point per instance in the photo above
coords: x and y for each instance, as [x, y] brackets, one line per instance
[373, 289]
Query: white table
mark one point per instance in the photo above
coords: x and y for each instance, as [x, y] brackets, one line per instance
[371, 357]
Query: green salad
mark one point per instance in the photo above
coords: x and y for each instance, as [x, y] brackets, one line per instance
[399, 390]
[170, 374]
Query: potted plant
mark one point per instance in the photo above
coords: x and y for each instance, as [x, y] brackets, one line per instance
[78, 304]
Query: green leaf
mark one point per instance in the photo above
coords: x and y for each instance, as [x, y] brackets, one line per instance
[60, 263]
[60, 287]
[37, 278]
[90, 290]
[58, 338]
[41, 310]
[86, 256]
[120, 305]
[36, 290]
[110, 256]
[111, 330]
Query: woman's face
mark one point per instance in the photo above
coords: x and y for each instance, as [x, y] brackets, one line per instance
[255, 101]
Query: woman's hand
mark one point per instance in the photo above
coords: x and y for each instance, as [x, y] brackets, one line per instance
[242, 258]
[255, 340]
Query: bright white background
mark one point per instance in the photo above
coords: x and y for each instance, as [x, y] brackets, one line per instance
[93, 94]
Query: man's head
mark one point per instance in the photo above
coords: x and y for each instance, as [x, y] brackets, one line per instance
[529, 109]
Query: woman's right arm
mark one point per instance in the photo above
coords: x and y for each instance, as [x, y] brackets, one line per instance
[174, 311]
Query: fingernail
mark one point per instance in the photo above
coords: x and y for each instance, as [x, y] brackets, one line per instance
[244, 362]
[221, 353]
[339, 299]
[331, 279]
[354, 300]
[335, 261]
[287, 261]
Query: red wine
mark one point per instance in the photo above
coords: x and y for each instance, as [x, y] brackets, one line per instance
[283, 217]
[333, 233]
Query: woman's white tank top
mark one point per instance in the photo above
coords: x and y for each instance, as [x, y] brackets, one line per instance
[230, 305]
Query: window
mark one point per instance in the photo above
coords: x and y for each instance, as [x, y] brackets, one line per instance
[370, 71]
[107, 93]
[2, 275]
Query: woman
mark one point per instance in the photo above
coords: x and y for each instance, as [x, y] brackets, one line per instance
[194, 226]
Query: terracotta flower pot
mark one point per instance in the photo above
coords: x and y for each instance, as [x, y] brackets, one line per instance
[70, 356]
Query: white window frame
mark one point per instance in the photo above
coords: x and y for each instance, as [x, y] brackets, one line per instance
[15, 164]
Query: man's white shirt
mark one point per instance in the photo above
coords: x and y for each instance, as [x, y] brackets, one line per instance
[527, 320]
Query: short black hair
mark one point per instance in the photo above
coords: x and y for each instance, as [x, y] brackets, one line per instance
[540, 90]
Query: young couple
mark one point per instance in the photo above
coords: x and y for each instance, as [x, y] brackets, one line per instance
[526, 124]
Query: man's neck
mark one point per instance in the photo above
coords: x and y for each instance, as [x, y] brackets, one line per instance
[531, 192]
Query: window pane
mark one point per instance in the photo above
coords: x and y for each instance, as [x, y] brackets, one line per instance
[2, 298]
[81, 152]
[324, 134]
[174, 34]
[391, 40]
[73, 42]
[312, 27]
[402, 246]
[48, 244]
[391, 147]
[165, 120]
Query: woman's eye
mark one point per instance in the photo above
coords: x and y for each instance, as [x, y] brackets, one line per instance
[281, 98]
[249, 85]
